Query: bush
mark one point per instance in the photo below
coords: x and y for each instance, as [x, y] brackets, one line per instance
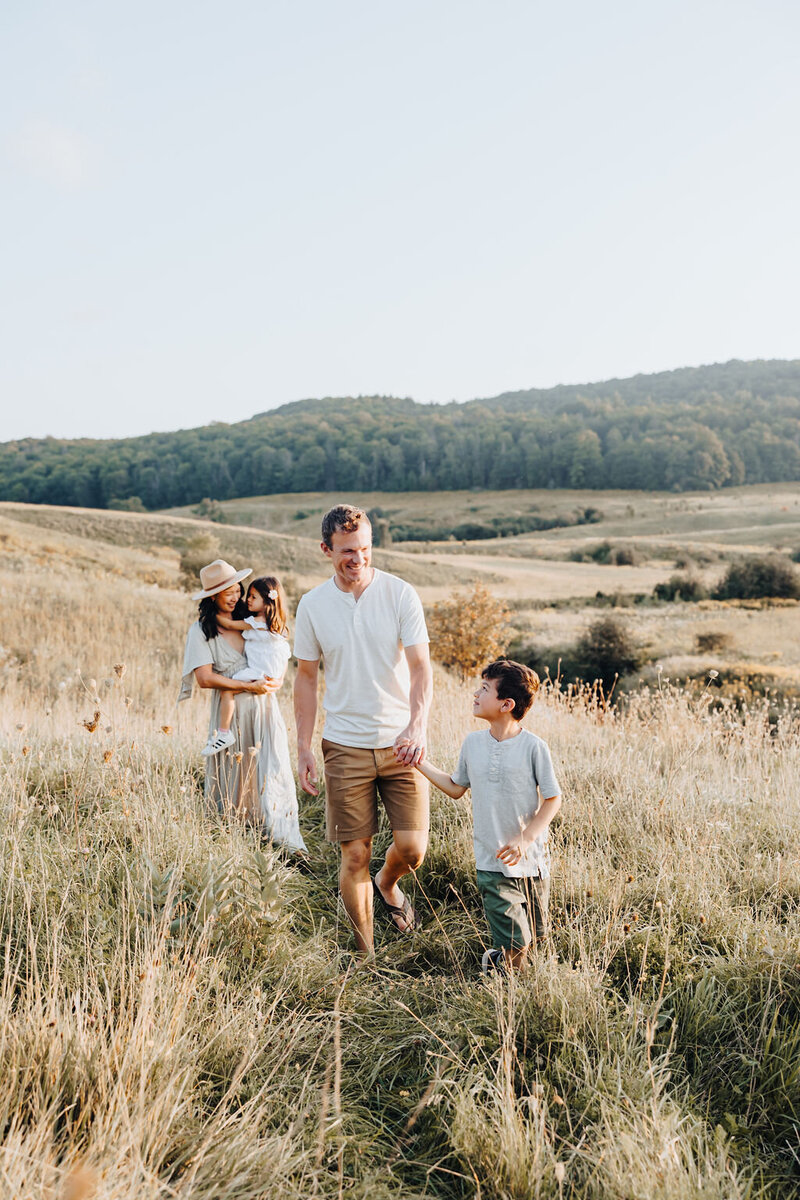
[197, 552]
[606, 651]
[714, 639]
[210, 510]
[131, 504]
[469, 630]
[759, 577]
[681, 587]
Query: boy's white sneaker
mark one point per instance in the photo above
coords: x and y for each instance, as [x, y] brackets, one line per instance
[220, 741]
[493, 960]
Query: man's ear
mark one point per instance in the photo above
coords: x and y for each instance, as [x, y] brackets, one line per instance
[325, 548]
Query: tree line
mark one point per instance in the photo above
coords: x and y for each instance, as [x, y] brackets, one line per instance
[698, 428]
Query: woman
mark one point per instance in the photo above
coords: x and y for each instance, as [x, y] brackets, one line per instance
[248, 778]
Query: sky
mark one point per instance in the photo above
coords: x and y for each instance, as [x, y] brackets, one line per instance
[210, 210]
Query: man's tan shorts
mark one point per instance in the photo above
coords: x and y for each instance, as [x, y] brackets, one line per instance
[353, 780]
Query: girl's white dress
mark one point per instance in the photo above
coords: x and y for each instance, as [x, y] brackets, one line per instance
[266, 653]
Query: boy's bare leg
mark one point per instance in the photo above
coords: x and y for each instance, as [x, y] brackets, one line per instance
[356, 888]
[406, 852]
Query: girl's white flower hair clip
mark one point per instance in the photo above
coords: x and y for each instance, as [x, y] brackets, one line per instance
[273, 594]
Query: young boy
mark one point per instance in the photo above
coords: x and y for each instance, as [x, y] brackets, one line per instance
[508, 769]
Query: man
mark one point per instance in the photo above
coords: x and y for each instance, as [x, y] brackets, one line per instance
[369, 628]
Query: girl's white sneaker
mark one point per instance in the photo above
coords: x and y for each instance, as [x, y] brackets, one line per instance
[220, 741]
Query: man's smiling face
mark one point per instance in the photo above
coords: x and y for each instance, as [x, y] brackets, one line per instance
[351, 556]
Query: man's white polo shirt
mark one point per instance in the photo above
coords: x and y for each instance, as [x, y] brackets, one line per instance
[361, 643]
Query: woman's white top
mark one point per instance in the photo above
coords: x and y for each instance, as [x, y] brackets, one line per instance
[267, 653]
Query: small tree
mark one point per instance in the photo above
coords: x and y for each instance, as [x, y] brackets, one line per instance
[759, 577]
[469, 630]
[607, 650]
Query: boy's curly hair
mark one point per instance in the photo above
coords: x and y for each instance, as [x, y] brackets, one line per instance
[344, 518]
[515, 682]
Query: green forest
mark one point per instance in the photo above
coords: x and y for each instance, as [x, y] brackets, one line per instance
[695, 428]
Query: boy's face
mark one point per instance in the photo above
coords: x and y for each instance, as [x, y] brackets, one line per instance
[486, 703]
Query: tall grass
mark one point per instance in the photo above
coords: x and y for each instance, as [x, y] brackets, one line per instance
[181, 1015]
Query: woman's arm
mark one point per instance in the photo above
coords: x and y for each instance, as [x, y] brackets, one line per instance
[207, 677]
[440, 780]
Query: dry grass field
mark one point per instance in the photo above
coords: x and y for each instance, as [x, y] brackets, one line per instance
[180, 1013]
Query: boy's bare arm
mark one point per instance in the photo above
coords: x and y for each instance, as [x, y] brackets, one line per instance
[513, 851]
[440, 780]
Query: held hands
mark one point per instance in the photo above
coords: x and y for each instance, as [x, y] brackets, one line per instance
[263, 685]
[409, 746]
[307, 771]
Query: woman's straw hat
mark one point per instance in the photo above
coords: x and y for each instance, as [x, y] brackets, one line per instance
[218, 576]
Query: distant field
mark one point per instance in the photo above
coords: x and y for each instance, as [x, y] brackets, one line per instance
[553, 598]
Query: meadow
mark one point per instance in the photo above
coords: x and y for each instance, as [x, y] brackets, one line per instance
[181, 1014]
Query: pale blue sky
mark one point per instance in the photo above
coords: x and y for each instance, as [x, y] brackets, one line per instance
[210, 210]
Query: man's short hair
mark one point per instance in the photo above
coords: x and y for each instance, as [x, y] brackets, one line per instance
[344, 518]
[515, 682]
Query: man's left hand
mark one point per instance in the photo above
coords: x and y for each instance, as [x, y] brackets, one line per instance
[409, 747]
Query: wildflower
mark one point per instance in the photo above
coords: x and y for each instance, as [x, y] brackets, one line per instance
[630, 879]
[702, 919]
[120, 669]
[95, 721]
[238, 756]
[626, 928]
[26, 751]
[166, 729]
[713, 674]
[91, 685]
[107, 756]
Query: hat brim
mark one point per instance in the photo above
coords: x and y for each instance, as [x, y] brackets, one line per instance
[237, 578]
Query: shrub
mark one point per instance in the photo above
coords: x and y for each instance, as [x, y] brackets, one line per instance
[130, 504]
[624, 556]
[210, 510]
[759, 577]
[197, 552]
[681, 587]
[469, 630]
[607, 650]
[714, 639]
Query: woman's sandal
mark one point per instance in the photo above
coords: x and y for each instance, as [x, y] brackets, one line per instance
[392, 912]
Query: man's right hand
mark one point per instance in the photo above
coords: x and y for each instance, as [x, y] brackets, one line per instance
[307, 771]
[259, 686]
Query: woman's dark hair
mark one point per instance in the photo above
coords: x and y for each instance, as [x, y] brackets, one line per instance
[207, 613]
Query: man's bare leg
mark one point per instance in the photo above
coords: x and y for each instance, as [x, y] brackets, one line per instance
[405, 853]
[356, 888]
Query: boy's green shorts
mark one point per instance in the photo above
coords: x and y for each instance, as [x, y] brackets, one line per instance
[514, 908]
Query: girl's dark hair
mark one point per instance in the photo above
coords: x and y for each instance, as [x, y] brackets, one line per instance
[275, 610]
[207, 613]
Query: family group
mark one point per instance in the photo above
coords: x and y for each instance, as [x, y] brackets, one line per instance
[367, 629]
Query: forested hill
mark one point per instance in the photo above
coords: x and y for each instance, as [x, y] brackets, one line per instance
[704, 427]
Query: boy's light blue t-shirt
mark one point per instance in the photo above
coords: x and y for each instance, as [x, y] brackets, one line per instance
[503, 778]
